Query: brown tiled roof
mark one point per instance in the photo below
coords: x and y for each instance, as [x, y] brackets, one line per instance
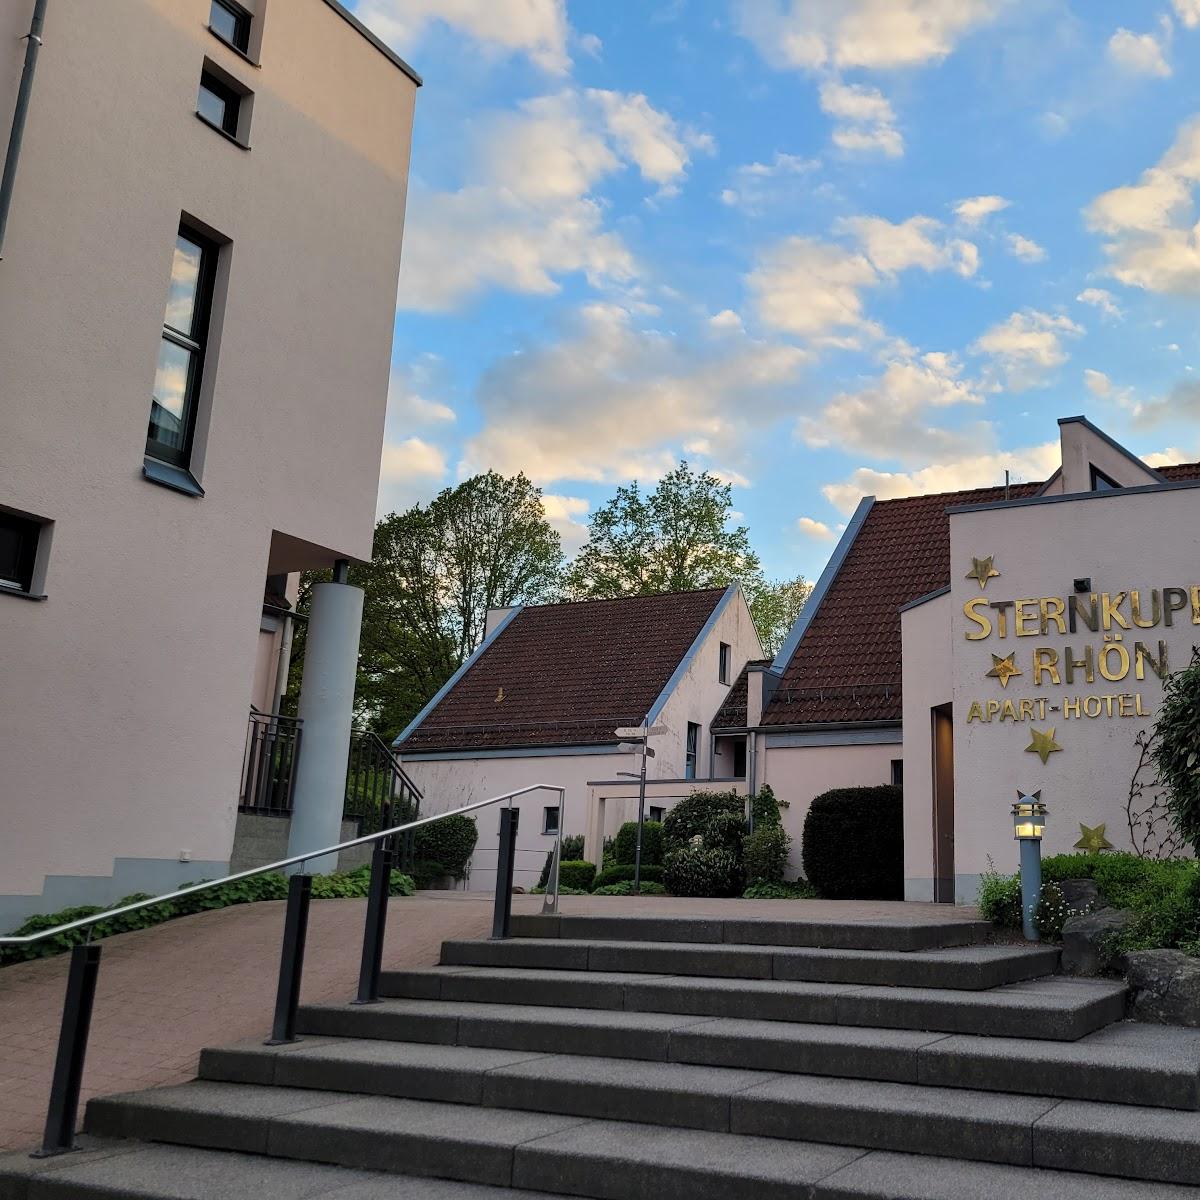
[732, 713]
[567, 674]
[847, 667]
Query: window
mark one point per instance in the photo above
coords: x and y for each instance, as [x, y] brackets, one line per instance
[20, 539]
[550, 819]
[231, 23]
[1102, 482]
[724, 669]
[693, 750]
[739, 759]
[655, 813]
[181, 353]
[898, 772]
[218, 104]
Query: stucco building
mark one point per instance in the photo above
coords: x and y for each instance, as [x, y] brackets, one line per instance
[197, 295]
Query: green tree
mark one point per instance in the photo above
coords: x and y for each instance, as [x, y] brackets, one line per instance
[775, 607]
[675, 538]
[1176, 752]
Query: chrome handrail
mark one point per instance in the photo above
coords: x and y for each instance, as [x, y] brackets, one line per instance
[295, 860]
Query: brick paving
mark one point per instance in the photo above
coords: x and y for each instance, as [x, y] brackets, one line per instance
[167, 992]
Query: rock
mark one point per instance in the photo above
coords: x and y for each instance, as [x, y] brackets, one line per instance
[1166, 986]
[1080, 895]
[1087, 938]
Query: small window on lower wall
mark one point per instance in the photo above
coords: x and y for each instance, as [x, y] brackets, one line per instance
[654, 813]
[898, 772]
[24, 542]
[550, 820]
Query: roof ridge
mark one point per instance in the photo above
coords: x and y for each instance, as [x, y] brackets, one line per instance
[721, 588]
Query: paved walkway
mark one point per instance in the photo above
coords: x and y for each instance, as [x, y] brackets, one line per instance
[167, 992]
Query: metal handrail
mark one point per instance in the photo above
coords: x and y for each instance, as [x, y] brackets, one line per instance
[295, 860]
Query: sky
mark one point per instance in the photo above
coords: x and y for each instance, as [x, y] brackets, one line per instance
[821, 248]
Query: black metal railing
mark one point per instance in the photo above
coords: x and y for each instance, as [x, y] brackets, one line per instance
[269, 764]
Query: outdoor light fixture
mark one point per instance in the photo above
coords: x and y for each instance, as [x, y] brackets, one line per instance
[1029, 823]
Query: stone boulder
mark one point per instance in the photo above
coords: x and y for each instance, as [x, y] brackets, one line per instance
[1087, 940]
[1165, 986]
[1080, 895]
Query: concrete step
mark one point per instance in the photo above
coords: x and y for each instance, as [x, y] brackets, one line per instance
[966, 967]
[902, 933]
[1125, 1063]
[802, 1121]
[1052, 1009]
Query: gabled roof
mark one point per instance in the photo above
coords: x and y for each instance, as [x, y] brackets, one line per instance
[732, 713]
[846, 666]
[567, 674]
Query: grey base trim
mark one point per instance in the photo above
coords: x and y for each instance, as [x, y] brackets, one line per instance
[153, 875]
[966, 889]
[837, 737]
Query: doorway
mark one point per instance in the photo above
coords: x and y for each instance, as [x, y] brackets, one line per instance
[943, 804]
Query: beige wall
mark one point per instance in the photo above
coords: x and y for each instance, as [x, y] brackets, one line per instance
[1121, 542]
[128, 687]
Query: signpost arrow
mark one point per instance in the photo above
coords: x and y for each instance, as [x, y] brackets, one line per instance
[639, 731]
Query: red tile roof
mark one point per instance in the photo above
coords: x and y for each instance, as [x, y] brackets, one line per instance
[847, 667]
[567, 674]
[732, 713]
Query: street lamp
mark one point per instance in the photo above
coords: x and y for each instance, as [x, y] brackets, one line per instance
[1029, 823]
[642, 733]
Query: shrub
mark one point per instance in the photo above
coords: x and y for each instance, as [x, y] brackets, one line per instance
[622, 873]
[1176, 754]
[800, 890]
[575, 873]
[765, 808]
[625, 888]
[701, 814]
[853, 845]
[571, 849]
[625, 843]
[1000, 899]
[765, 854]
[450, 841]
[697, 870]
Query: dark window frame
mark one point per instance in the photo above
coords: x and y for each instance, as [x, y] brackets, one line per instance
[230, 96]
[1103, 482]
[29, 531]
[546, 816]
[655, 808]
[691, 750]
[724, 661]
[195, 343]
[242, 20]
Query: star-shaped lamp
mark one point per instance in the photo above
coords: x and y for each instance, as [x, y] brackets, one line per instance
[1004, 668]
[1043, 744]
[1092, 841]
[983, 569]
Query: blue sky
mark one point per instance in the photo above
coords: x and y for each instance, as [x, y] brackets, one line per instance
[820, 247]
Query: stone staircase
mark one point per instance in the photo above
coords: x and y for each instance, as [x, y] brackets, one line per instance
[633, 1058]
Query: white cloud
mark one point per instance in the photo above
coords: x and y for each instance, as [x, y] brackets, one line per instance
[875, 34]
[976, 209]
[817, 530]
[1182, 403]
[409, 400]
[756, 185]
[1101, 299]
[564, 514]
[1026, 348]
[1188, 11]
[1053, 125]
[612, 401]
[1026, 249]
[983, 470]
[537, 28]
[409, 470]
[591, 45]
[533, 214]
[1142, 53]
[865, 120]
[917, 242]
[725, 319]
[1097, 382]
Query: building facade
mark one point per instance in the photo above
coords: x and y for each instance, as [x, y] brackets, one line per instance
[197, 294]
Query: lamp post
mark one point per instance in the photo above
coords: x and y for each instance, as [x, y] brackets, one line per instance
[1029, 823]
[642, 733]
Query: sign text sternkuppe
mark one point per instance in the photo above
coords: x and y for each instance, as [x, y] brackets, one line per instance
[1123, 653]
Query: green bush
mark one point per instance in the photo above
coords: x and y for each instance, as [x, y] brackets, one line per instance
[765, 808]
[625, 888]
[562, 891]
[705, 815]
[575, 873]
[622, 873]
[698, 870]
[625, 843]
[571, 849]
[800, 890]
[853, 846]
[450, 841]
[425, 873]
[765, 854]
[1176, 753]
[1000, 900]
[272, 886]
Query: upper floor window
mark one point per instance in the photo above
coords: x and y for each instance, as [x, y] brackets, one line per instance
[231, 23]
[692, 751]
[725, 656]
[219, 104]
[20, 541]
[550, 820]
[181, 352]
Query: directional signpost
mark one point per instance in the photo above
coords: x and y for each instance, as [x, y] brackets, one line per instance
[642, 734]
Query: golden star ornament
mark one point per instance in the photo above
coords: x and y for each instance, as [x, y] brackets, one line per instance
[983, 569]
[1092, 840]
[1043, 744]
[1004, 668]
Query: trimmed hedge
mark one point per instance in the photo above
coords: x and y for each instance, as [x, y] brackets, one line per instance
[273, 886]
[853, 846]
[625, 843]
[765, 854]
[450, 842]
[575, 873]
[703, 871]
[800, 890]
[706, 815]
[623, 873]
[572, 851]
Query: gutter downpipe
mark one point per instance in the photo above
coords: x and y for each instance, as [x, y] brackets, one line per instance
[33, 43]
